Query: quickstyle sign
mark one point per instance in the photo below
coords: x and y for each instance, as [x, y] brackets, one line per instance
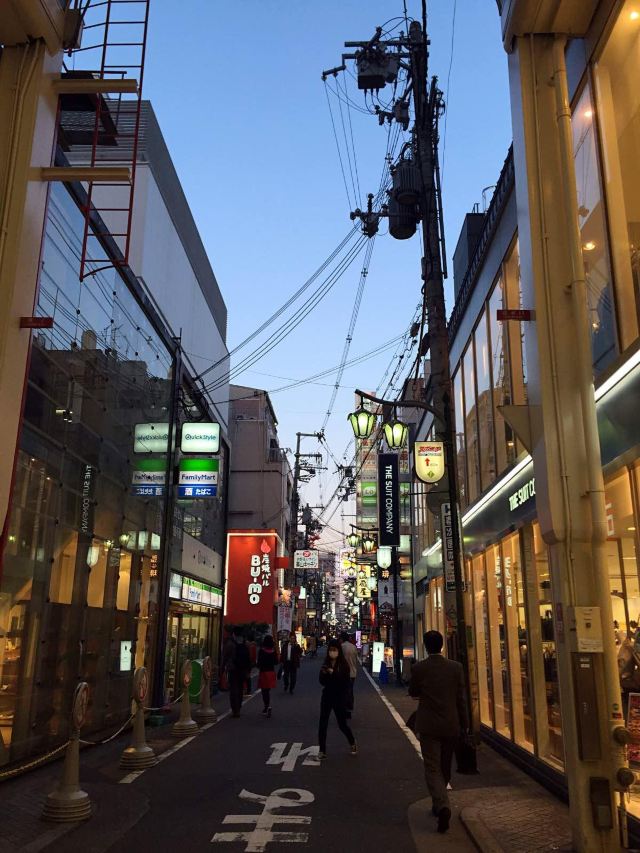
[388, 500]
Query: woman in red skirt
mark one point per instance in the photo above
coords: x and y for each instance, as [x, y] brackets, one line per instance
[267, 660]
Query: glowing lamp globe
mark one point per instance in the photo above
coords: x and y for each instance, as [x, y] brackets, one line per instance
[395, 433]
[368, 544]
[353, 539]
[383, 557]
[362, 422]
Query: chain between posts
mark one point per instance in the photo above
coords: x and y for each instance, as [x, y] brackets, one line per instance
[7, 774]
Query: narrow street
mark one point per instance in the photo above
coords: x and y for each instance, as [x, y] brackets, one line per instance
[346, 802]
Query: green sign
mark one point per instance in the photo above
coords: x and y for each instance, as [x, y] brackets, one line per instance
[369, 492]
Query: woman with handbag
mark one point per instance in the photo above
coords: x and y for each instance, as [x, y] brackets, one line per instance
[335, 678]
[267, 660]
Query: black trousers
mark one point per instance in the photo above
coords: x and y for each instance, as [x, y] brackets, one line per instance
[236, 690]
[338, 707]
[290, 676]
[350, 700]
[266, 696]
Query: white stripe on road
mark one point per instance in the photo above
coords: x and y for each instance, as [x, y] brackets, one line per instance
[131, 777]
[413, 740]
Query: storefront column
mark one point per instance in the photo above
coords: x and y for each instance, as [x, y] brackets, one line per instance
[569, 504]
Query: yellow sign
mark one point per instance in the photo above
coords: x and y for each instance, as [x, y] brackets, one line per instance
[429, 460]
[362, 582]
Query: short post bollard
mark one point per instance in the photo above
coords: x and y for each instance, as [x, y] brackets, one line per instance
[185, 725]
[68, 803]
[206, 713]
[139, 754]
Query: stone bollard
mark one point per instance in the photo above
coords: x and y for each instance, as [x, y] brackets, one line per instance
[139, 754]
[206, 713]
[68, 803]
[185, 725]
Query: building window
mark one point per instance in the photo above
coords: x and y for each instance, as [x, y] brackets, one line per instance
[618, 105]
[593, 234]
[498, 642]
[485, 405]
[460, 444]
[500, 380]
[483, 659]
[471, 425]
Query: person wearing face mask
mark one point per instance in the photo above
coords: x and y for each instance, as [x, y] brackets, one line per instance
[335, 680]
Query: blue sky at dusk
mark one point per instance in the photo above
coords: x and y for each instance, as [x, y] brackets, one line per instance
[238, 92]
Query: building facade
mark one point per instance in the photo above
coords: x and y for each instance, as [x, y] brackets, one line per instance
[511, 600]
[105, 566]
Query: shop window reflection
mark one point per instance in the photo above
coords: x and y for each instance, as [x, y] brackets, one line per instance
[498, 642]
[500, 380]
[485, 408]
[618, 113]
[63, 567]
[513, 332]
[593, 234]
[471, 425]
[555, 746]
[460, 443]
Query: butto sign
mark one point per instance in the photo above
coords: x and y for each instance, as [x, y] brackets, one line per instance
[200, 438]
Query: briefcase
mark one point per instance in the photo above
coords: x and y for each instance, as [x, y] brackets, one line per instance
[466, 756]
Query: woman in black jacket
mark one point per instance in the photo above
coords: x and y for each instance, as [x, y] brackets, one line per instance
[335, 679]
[267, 660]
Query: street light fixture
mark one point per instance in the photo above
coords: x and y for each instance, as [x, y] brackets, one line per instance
[383, 556]
[353, 539]
[368, 544]
[362, 422]
[395, 433]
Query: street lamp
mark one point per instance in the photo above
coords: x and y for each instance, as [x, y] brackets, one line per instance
[362, 422]
[395, 433]
[368, 544]
[383, 556]
[353, 539]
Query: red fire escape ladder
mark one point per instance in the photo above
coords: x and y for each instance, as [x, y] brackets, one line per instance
[99, 123]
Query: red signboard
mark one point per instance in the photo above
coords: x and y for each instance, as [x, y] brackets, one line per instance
[522, 314]
[36, 322]
[251, 585]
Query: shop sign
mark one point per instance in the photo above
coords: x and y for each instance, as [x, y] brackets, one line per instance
[429, 460]
[147, 491]
[308, 559]
[150, 472]
[522, 495]
[285, 612]
[125, 655]
[200, 560]
[250, 591]
[389, 503]
[86, 513]
[175, 585]
[362, 583]
[194, 591]
[447, 547]
[369, 493]
[378, 657]
[198, 478]
[151, 438]
[200, 438]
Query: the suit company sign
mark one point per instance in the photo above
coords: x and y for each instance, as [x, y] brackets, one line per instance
[388, 499]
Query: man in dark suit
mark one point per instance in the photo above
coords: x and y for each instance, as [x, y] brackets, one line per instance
[290, 660]
[442, 714]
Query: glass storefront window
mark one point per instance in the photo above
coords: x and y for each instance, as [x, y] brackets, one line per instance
[483, 653]
[485, 405]
[593, 235]
[471, 425]
[498, 641]
[514, 330]
[459, 426]
[618, 113]
[622, 557]
[517, 642]
[500, 381]
[555, 748]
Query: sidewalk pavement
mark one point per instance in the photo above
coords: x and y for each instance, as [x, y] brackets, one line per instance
[22, 798]
[502, 808]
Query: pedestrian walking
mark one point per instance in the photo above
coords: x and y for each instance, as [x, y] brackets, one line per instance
[237, 665]
[334, 677]
[350, 653]
[267, 660]
[290, 659]
[440, 719]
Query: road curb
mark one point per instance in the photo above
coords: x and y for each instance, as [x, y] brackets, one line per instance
[478, 831]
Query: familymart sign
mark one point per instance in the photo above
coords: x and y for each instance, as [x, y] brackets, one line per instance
[198, 478]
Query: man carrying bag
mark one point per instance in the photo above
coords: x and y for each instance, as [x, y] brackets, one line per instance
[440, 719]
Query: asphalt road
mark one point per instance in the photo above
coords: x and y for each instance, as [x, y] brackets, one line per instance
[248, 784]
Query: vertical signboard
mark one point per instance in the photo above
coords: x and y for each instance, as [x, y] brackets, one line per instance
[447, 547]
[388, 499]
[251, 588]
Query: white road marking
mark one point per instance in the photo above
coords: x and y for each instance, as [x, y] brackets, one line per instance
[131, 777]
[296, 751]
[263, 834]
[413, 740]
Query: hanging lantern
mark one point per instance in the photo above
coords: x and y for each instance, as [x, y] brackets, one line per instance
[396, 433]
[362, 422]
[368, 544]
[383, 557]
[353, 540]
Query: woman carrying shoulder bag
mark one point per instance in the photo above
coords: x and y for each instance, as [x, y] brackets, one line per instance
[335, 678]
[267, 660]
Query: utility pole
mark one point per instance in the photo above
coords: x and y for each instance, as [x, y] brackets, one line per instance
[295, 499]
[377, 63]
